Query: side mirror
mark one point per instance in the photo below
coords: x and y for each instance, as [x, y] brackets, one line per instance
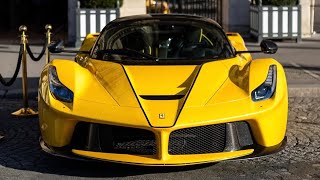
[268, 47]
[56, 47]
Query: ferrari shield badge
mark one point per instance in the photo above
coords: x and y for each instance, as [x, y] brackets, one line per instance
[162, 116]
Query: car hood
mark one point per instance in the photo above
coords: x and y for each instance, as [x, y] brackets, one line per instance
[162, 91]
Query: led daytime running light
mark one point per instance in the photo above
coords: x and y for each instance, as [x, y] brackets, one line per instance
[267, 88]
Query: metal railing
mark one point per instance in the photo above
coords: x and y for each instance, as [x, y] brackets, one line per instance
[273, 22]
[92, 21]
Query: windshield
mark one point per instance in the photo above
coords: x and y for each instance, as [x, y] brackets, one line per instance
[162, 40]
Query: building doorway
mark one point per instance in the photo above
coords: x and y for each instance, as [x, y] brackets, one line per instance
[35, 14]
[316, 27]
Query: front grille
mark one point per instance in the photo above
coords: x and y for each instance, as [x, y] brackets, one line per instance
[129, 141]
[198, 140]
[114, 139]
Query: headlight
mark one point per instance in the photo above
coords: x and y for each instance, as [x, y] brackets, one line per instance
[267, 88]
[57, 89]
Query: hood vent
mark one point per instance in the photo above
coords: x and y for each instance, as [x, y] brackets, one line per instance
[162, 97]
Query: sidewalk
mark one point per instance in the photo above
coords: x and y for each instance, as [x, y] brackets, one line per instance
[300, 60]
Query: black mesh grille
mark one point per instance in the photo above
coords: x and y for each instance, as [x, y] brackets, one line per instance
[130, 141]
[114, 139]
[198, 140]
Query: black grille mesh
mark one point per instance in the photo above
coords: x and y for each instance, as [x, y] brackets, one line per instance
[114, 139]
[131, 141]
[198, 140]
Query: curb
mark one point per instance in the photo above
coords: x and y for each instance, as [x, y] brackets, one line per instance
[309, 90]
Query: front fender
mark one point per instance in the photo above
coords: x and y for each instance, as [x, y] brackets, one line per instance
[78, 79]
[271, 127]
[259, 70]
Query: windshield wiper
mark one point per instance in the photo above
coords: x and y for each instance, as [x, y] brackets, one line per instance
[127, 52]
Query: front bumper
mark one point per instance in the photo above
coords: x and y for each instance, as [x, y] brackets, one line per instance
[94, 141]
[267, 124]
[173, 161]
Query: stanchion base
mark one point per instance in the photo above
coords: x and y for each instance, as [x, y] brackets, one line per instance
[25, 112]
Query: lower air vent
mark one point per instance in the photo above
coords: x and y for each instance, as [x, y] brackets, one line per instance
[114, 139]
[198, 140]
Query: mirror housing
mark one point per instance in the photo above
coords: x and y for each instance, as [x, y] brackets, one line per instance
[268, 47]
[56, 47]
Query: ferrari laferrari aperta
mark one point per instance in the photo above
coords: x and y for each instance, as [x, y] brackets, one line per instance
[163, 90]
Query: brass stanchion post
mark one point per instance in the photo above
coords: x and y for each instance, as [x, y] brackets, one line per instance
[25, 111]
[48, 35]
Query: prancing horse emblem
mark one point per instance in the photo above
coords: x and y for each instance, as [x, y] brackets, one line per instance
[162, 116]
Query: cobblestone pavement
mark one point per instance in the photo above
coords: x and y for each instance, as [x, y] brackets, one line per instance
[22, 158]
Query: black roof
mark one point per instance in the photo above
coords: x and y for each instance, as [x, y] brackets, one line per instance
[182, 17]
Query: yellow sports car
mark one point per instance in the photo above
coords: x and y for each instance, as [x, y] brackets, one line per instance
[163, 90]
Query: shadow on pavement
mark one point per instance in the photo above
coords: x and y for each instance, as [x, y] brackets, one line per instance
[20, 149]
[311, 68]
[315, 69]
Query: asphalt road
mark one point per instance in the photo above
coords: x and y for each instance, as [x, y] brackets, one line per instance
[21, 157]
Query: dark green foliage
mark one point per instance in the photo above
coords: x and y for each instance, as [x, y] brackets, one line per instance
[100, 3]
[278, 2]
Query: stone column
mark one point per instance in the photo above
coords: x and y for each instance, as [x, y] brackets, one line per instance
[72, 7]
[236, 16]
[131, 7]
[225, 15]
[306, 18]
